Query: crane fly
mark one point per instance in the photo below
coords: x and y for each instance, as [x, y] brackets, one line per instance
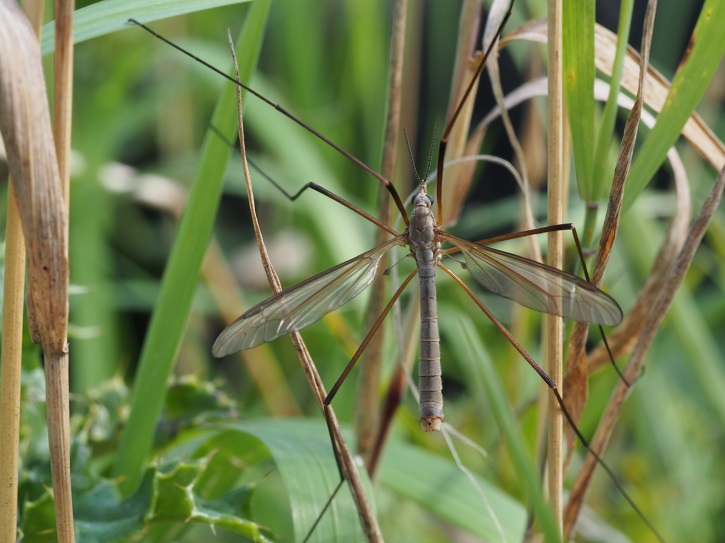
[530, 283]
[522, 280]
[525, 281]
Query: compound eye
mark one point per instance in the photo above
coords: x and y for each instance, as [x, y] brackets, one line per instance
[430, 198]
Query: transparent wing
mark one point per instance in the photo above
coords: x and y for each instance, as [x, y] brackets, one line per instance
[303, 304]
[537, 286]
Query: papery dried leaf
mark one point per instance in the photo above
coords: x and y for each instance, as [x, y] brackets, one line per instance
[657, 86]
[459, 177]
[25, 125]
[498, 8]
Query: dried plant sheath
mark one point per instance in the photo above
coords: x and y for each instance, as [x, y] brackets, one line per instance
[25, 126]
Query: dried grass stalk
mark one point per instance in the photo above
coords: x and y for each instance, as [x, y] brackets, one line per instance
[342, 452]
[556, 190]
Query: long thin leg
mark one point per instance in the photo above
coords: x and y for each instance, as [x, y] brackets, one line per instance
[538, 369]
[359, 163]
[368, 337]
[342, 201]
[552, 385]
[337, 385]
[521, 234]
[444, 138]
[314, 186]
[580, 252]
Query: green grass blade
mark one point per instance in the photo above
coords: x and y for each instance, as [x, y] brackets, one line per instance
[105, 17]
[602, 175]
[685, 317]
[95, 323]
[578, 53]
[492, 389]
[446, 492]
[689, 85]
[182, 271]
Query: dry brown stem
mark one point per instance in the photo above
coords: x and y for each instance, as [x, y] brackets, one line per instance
[672, 280]
[609, 232]
[556, 190]
[25, 124]
[342, 452]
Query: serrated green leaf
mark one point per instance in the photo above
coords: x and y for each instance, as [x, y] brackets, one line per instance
[176, 497]
[102, 516]
[169, 494]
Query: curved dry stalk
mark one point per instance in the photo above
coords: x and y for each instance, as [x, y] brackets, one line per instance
[622, 340]
[696, 131]
[658, 310]
[576, 363]
[343, 455]
[497, 10]
[466, 63]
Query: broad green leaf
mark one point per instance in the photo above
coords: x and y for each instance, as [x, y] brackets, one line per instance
[303, 455]
[437, 485]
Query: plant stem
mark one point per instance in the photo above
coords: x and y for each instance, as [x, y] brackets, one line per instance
[556, 192]
[12, 350]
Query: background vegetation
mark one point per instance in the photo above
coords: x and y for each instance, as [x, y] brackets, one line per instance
[238, 435]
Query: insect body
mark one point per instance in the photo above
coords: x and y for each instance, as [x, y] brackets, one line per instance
[423, 234]
[525, 281]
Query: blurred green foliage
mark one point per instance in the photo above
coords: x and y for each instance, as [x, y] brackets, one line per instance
[140, 104]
